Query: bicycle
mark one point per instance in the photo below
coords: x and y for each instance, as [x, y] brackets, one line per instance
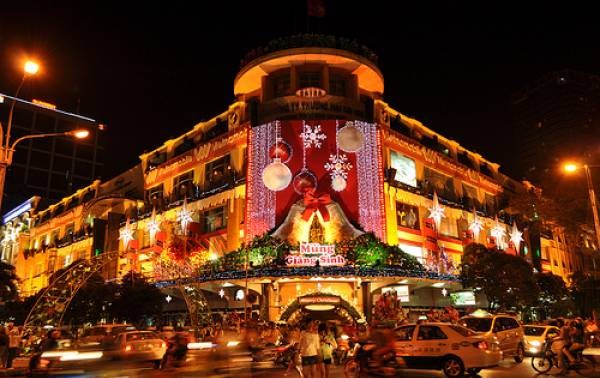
[547, 359]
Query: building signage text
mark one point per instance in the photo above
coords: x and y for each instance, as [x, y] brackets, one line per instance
[310, 253]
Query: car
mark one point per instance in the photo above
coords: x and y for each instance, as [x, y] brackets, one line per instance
[139, 345]
[452, 348]
[536, 335]
[102, 334]
[503, 329]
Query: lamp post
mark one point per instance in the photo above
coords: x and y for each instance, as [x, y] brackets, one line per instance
[570, 168]
[7, 151]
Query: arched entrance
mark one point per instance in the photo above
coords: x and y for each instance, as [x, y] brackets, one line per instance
[324, 307]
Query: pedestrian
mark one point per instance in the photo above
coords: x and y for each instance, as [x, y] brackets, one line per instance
[310, 348]
[3, 346]
[328, 345]
[14, 342]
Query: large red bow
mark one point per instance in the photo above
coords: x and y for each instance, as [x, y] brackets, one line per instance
[314, 203]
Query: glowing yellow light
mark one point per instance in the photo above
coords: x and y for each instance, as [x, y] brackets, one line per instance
[570, 167]
[31, 67]
[79, 134]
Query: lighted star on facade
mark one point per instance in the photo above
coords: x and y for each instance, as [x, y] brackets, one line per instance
[153, 226]
[498, 232]
[516, 236]
[436, 211]
[184, 216]
[476, 226]
[126, 234]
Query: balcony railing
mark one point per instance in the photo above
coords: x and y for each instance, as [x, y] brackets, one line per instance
[330, 106]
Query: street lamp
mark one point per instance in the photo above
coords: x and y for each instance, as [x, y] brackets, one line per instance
[7, 152]
[572, 167]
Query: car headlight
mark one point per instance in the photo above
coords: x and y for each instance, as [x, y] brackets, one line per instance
[535, 343]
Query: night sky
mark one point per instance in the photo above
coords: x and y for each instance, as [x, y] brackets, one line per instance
[151, 70]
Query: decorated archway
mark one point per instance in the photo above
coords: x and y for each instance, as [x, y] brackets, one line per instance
[54, 300]
[321, 306]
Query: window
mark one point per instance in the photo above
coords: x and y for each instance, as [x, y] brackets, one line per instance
[469, 196]
[448, 227]
[310, 79]
[407, 215]
[405, 333]
[155, 195]
[337, 85]
[183, 185]
[215, 219]
[442, 184]
[431, 333]
[281, 84]
[216, 170]
[406, 171]
[490, 203]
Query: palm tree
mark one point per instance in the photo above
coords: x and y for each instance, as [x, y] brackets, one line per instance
[8, 283]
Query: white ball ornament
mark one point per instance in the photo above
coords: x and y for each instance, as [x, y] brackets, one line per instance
[276, 176]
[338, 183]
[350, 138]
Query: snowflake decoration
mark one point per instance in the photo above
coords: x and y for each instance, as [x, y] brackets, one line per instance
[184, 216]
[313, 137]
[126, 234]
[153, 226]
[498, 232]
[338, 165]
[516, 236]
[436, 211]
[476, 226]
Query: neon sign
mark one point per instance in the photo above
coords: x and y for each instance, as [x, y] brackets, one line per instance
[310, 253]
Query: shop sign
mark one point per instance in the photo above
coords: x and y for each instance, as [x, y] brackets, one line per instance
[310, 253]
[463, 298]
[323, 299]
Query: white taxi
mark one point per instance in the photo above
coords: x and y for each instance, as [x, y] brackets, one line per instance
[536, 335]
[451, 348]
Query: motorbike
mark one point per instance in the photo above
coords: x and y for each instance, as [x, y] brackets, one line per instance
[268, 353]
[175, 356]
[363, 362]
[285, 355]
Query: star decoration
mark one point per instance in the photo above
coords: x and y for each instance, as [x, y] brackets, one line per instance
[498, 232]
[436, 211]
[221, 293]
[338, 165]
[312, 137]
[126, 234]
[168, 299]
[516, 236]
[476, 226]
[184, 216]
[153, 226]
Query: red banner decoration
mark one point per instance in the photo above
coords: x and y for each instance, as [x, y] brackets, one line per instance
[314, 203]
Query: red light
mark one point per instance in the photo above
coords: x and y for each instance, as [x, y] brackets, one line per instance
[128, 348]
[483, 345]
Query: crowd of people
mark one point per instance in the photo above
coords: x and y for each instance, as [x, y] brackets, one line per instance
[10, 344]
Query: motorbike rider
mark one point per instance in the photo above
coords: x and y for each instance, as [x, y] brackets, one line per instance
[177, 349]
[384, 344]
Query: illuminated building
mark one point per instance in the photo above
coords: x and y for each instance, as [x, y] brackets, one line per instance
[51, 168]
[300, 170]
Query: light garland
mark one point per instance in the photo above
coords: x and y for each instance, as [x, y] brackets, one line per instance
[184, 216]
[370, 182]
[126, 234]
[516, 236]
[260, 201]
[498, 232]
[436, 212]
[476, 226]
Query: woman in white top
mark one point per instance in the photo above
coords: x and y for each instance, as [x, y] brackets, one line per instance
[310, 350]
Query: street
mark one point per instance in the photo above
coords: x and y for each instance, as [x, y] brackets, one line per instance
[241, 369]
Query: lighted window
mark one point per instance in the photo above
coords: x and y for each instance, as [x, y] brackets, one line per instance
[406, 171]
[337, 85]
[215, 219]
[281, 84]
[155, 194]
[310, 79]
[217, 170]
[183, 185]
[407, 215]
